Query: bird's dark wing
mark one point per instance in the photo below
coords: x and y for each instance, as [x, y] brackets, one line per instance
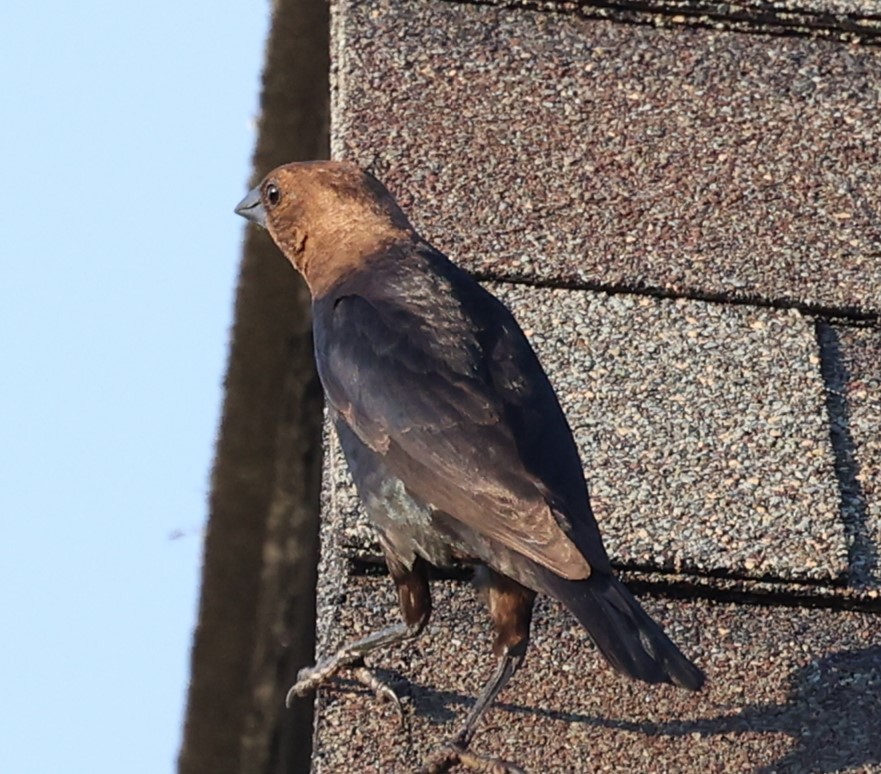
[446, 388]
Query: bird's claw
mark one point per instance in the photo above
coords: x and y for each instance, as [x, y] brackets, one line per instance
[453, 753]
[381, 689]
[309, 678]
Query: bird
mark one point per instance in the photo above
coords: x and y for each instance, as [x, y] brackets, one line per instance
[454, 436]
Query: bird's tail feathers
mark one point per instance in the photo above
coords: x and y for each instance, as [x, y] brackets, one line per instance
[627, 637]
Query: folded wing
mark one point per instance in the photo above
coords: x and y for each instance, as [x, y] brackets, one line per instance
[446, 388]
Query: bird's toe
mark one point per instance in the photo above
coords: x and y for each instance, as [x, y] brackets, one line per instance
[309, 678]
[383, 690]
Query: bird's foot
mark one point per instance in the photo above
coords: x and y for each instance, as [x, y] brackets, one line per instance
[453, 753]
[309, 678]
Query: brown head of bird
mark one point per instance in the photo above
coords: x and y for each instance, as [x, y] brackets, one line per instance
[325, 216]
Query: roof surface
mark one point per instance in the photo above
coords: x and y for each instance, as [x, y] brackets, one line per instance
[791, 689]
[685, 218]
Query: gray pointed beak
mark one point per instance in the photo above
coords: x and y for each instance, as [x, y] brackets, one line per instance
[251, 207]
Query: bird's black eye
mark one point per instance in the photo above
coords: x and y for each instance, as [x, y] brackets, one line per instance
[272, 194]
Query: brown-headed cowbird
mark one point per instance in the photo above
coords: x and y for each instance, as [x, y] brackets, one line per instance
[453, 434]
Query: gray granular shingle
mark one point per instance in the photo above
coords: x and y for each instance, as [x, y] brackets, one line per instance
[701, 426]
[559, 149]
[828, 11]
[790, 690]
[860, 352]
[856, 8]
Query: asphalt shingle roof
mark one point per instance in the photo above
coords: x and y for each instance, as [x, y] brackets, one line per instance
[687, 222]
[791, 689]
[557, 149]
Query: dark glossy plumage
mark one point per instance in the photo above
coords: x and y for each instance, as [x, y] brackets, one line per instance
[433, 374]
[459, 447]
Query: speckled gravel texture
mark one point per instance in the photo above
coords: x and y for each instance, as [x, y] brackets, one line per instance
[867, 8]
[702, 427]
[732, 450]
[790, 690]
[566, 150]
[860, 356]
[865, 11]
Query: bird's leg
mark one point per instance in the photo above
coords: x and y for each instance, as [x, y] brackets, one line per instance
[414, 598]
[510, 607]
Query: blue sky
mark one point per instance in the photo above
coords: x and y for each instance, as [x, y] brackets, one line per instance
[125, 143]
